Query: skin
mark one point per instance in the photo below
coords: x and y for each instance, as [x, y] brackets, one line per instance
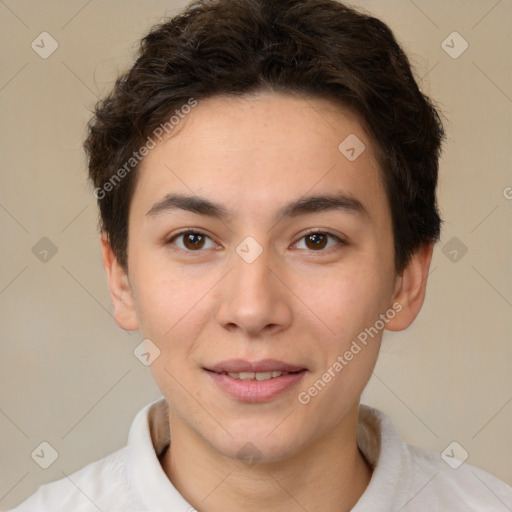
[296, 302]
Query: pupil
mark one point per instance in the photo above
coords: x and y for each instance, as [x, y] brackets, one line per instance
[194, 240]
[318, 240]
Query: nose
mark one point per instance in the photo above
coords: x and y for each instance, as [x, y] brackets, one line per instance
[254, 298]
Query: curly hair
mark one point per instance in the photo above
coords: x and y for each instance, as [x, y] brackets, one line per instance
[320, 48]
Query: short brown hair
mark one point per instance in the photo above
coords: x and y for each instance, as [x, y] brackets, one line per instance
[320, 48]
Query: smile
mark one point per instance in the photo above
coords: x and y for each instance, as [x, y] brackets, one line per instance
[260, 381]
[254, 376]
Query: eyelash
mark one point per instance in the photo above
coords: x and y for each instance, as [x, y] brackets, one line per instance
[340, 241]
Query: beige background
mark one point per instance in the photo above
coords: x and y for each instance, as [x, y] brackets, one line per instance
[67, 373]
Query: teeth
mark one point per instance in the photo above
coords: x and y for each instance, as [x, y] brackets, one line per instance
[246, 375]
[263, 375]
[256, 376]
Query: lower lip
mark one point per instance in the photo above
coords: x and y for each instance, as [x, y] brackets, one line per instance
[256, 390]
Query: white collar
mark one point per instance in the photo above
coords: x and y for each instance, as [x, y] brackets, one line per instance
[377, 439]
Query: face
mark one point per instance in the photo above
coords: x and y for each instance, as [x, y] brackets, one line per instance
[257, 250]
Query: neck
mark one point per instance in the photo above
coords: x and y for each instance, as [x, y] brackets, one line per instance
[329, 475]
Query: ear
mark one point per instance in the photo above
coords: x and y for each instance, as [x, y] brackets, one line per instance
[410, 287]
[120, 289]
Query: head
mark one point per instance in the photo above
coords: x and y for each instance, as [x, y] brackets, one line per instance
[243, 128]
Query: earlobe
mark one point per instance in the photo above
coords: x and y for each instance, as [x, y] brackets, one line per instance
[120, 289]
[410, 288]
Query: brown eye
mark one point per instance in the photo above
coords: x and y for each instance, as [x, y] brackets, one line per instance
[318, 241]
[192, 241]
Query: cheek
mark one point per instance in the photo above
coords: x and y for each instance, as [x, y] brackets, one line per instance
[167, 297]
[350, 304]
[346, 300]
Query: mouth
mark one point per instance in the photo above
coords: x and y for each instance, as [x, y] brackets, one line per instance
[255, 381]
[264, 366]
[255, 375]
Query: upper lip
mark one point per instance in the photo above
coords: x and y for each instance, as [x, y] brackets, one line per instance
[265, 365]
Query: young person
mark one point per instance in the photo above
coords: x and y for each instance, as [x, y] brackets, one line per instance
[266, 176]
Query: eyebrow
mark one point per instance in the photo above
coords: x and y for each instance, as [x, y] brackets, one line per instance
[303, 205]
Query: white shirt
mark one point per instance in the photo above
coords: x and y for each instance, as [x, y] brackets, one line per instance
[405, 478]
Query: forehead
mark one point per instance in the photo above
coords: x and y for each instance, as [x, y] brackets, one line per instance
[255, 151]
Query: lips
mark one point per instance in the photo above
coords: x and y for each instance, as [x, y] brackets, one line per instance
[259, 381]
[255, 376]
[266, 365]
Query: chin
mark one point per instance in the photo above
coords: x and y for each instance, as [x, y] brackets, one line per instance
[262, 443]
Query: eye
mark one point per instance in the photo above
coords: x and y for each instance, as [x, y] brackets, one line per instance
[319, 240]
[192, 241]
